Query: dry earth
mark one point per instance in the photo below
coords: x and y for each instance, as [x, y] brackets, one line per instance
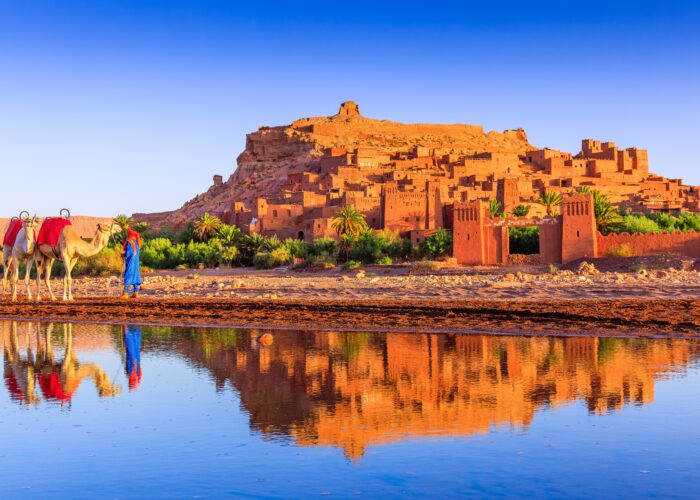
[513, 300]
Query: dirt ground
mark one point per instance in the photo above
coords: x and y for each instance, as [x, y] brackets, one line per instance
[653, 296]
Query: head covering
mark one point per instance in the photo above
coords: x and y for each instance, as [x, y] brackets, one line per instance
[134, 236]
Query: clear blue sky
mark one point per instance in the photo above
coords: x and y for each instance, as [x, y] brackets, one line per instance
[133, 105]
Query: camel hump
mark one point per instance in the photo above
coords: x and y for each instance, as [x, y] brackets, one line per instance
[51, 231]
[12, 232]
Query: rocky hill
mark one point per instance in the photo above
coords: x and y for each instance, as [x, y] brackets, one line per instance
[272, 153]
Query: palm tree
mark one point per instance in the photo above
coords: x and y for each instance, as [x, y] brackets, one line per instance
[494, 208]
[550, 200]
[141, 227]
[521, 210]
[348, 221]
[607, 216]
[230, 236]
[123, 221]
[206, 226]
[255, 243]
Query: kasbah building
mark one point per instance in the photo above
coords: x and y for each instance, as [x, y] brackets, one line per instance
[447, 183]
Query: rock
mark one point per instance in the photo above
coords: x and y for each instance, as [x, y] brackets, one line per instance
[193, 276]
[374, 280]
[587, 269]
[360, 274]
[509, 277]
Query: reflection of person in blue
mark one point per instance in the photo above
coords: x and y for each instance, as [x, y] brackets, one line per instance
[132, 342]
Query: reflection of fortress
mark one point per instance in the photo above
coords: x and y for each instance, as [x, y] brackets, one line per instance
[356, 390]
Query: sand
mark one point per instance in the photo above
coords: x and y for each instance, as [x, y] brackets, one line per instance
[529, 300]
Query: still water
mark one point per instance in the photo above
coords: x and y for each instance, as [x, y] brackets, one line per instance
[148, 412]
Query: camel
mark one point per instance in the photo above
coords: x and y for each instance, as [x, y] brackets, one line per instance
[19, 373]
[7, 252]
[70, 247]
[23, 251]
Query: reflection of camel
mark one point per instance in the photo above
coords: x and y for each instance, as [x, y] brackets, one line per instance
[19, 373]
[70, 247]
[59, 381]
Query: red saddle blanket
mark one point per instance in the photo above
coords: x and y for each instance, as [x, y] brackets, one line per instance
[11, 234]
[51, 230]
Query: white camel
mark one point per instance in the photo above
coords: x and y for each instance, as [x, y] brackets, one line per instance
[23, 251]
[7, 253]
[69, 248]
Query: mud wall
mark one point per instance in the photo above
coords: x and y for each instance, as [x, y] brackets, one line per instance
[646, 244]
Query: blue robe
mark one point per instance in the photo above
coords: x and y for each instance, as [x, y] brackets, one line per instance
[132, 342]
[132, 270]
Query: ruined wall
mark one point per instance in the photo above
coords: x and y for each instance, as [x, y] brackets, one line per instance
[646, 244]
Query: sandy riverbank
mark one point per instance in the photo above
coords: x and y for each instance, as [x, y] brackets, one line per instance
[659, 300]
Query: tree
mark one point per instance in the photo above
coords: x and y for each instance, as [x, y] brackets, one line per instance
[521, 210]
[550, 200]
[254, 243]
[607, 217]
[123, 221]
[230, 236]
[141, 227]
[348, 221]
[494, 208]
[206, 226]
[437, 244]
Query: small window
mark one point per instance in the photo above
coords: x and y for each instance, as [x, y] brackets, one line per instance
[577, 233]
[274, 213]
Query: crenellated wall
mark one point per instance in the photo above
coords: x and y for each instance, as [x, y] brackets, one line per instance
[650, 243]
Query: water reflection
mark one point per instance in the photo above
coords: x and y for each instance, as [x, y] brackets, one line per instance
[355, 390]
[58, 380]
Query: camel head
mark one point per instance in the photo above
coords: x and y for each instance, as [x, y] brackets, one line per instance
[105, 232]
[30, 226]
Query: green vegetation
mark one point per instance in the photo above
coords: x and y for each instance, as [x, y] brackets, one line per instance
[210, 243]
[524, 240]
[550, 200]
[438, 244]
[607, 216]
[521, 210]
[494, 208]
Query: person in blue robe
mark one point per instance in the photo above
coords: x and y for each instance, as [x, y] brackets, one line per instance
[132, 268]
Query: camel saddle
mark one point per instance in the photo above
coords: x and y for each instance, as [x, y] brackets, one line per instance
[12, 232]
[51, 230]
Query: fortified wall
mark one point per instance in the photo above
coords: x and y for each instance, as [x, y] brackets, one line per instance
[482, 240]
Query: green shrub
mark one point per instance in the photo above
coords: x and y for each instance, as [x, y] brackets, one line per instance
[322, 246]
[272, 243]
[368, 247]
[639, 224]
[524, 240]
[108, 261]
[437, 244]
[521, 210]
[352, 265]
[270, 260]
[264, 260]
[384, 261]
[297, 248]
[623, 250]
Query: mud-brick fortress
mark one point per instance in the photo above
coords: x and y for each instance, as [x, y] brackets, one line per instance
[416, 178]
